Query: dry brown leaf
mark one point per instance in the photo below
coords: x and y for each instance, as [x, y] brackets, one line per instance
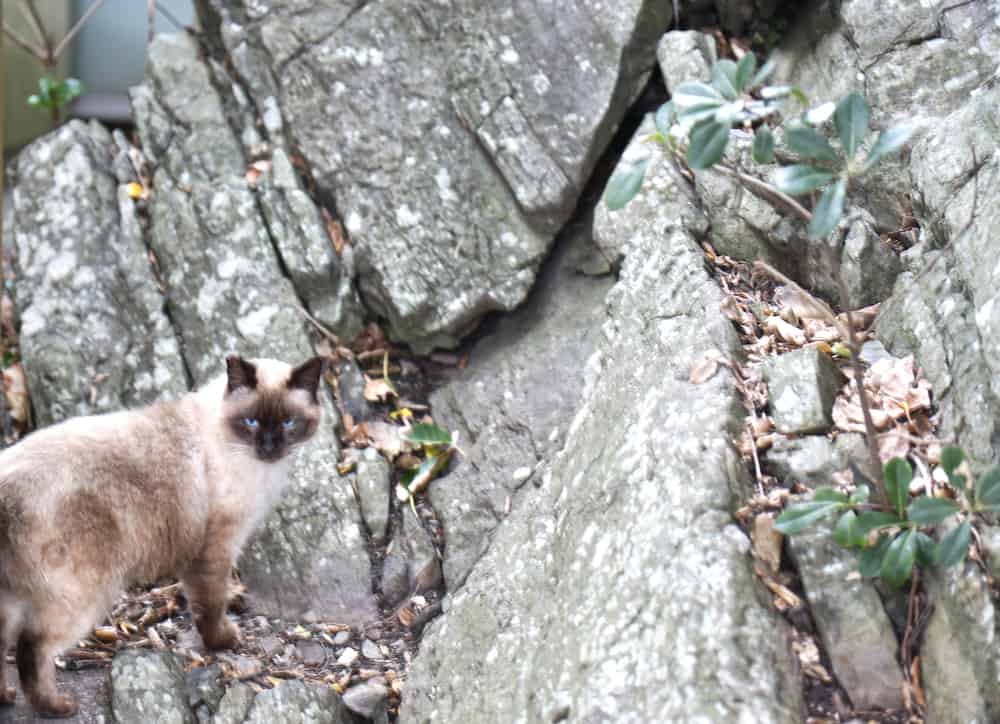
[388, 439]
[16, 388]
[335, 231]
[893, 446]
[863, 318]
[378, 390]
[767, 541]
[786, 332]
[798, 302]
[731, 309]
[703, 370]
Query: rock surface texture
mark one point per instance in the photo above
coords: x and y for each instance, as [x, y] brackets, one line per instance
[617, 506]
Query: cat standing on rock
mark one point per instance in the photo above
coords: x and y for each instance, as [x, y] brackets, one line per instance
[95, 504]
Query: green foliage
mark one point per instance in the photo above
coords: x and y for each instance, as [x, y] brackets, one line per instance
[625, 183]
[892, 541]
[428, 435]
[55, 94]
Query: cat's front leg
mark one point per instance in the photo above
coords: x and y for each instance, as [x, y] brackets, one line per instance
[206, 584]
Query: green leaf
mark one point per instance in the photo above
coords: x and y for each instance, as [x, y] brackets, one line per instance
[810, 143]
[763, 145]
[874, 519]
[799, 516]
[851, 121]
[707, 144]
[951, 458]
[829, 495]
[664, 118]
[624, 184]
[34, 100]
[772, 92]
[724, 78]
[45, 84]
[870, 559]
[846, 532]
[897, 483]
[926, 550]
[889, 141]
[744, 72]
[428, 434]
[897, 564]
[988, 489]
[692, 94]
[828, 211]
[798, 94]
[952, 548]
[930, 511]
[764, 73]
[801, 179]
[861, 493]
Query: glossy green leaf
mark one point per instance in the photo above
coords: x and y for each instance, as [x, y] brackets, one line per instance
[889, 141]
[624, 184]
[706, 144]
[724, 78]
[851, 122]
[951, 458]
[897, 563]
[773, 92]
[428, 434]
[930, 511]
[846, 531]
[988, 489]
[926, 550]
[691, 94]
[799, 516]
[873, 519]
[744, 72]
[897, 483]
[952, 548]
[829, 495]
[763, 145]
[763, 74]
[870, 559]
[828, 211]
[801, 179]
[35, 100]
[810, 143]
[861, 493]
[664, 118]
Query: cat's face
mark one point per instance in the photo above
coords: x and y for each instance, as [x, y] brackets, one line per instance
[271, 407]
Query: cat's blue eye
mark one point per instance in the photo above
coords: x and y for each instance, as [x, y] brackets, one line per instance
[289, 423]
[251, 422]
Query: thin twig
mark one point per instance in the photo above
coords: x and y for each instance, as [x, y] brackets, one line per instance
[817, 304]
[150, 19]
[319, 325]
[767, 192]
[756, 463]
[34, 50]
[163, 11]
[76, 28]
[31, 15]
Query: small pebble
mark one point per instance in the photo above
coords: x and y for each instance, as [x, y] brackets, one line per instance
[342, 638]
[347, 657]
[370, 649]
[522, 474]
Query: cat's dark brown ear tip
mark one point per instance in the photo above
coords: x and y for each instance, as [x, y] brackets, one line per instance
[307, 376]
[240, 373]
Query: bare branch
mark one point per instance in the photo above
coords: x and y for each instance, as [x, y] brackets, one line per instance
[150, 19]
[22, 43]
[31, 15]
[821, 307]
[76, 28]
[767, 192]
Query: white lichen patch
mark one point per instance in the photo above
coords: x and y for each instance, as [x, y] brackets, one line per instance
[255, 324]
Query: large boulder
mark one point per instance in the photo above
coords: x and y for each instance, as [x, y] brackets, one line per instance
[621, 588]
[453, 139]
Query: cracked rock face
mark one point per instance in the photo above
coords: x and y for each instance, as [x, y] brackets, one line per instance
[602, 585]
[454, 139]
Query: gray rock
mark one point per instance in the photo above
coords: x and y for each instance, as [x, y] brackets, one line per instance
[813, 459]
[617, 505]
[857, 634]
[149, 686]
[411, 563]
[296, 702]
[449, 118]
[802, 385]
[685, 55]
[370, 649]
[373, 485]
[235, 704]
[226, 292]
[513, 403]
[351, 392]
[311, 653]
[369, 699]
[204, 687]
[93, 334]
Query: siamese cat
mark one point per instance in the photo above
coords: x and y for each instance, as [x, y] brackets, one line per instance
[94, 504]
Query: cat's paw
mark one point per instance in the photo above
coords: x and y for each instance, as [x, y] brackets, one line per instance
[7, 695]
[225, 636]
[57, 707]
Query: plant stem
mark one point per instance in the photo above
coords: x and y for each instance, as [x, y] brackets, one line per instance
[25, 45]
[767, 192]
[76, 28]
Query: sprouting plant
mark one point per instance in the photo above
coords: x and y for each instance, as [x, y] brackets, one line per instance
[54, 95]
[438, 445]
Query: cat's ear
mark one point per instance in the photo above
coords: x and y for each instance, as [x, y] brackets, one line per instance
[240, 373]
[307, 376]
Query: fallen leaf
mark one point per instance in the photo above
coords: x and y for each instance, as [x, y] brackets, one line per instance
[378, 390]
[16, 388]
[387, 439]
[786, 332]
[767, 541]
[335, 231]
[703, 370]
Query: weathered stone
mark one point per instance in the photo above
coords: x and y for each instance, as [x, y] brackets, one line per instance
[464, 135]
[802, 385]
[235, 704]
[411, 564]
[149, 686]
[857, 634]
[368, 699]
[226, 292]
[373, 483]
[813, 459]
[204, 687]
[311, 653]
[296, 702]
[618, 505]
[93, 334]
[510, 406]
[685, 55]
